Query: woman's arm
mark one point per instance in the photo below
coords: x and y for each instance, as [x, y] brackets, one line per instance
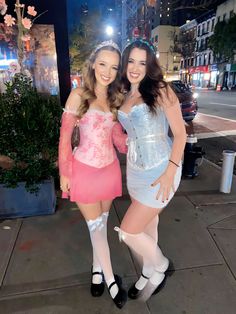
[119, 138]
[171, 107]
[68, 122]
[175, 119]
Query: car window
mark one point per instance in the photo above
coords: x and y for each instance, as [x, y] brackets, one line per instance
[179, 87]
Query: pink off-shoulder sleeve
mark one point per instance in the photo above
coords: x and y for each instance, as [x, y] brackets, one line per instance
[68, 122]
[119, 138]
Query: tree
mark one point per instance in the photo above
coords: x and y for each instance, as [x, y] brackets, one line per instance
[83, 40]
[183, 43]
[223, 41]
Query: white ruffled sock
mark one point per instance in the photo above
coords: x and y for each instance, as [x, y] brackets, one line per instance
[145, 246]
[152, 230]
[97, 279]
[98, 235]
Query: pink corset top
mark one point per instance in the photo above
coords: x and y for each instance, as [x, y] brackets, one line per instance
[98, 133]
[96, 148]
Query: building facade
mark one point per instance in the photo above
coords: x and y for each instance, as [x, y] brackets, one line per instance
[163, 38]
[204, 72]
[226, 71]
[187, 45]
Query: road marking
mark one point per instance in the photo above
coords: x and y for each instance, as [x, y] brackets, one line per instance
[210, 115]
[215, 134]
[220, 104]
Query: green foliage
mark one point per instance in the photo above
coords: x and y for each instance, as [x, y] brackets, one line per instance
[223, 41]
[29, 128]
[83, 40]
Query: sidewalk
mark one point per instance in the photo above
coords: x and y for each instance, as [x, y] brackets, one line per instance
[45, 261]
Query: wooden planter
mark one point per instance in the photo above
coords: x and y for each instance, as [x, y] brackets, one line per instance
[17, 202]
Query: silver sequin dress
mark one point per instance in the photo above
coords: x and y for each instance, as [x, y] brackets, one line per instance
[149, 148]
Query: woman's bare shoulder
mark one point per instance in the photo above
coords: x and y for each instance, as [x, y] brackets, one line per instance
[74, 100]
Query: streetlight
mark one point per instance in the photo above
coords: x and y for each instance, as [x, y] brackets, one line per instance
[109, 30]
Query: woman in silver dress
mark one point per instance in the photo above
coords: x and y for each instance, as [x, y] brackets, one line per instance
[153, 159]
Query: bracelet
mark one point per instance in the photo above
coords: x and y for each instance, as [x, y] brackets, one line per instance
[174, 163]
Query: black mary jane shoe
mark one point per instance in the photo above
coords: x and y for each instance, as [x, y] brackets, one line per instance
[169, 272]
[133, 292]
[97, 289]
[121, 297]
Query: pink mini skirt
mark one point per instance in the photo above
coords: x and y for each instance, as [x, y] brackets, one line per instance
[90, 185]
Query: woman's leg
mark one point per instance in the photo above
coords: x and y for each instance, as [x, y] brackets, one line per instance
[132, 232]
[152, 230]
[105, 206]
[93, 215]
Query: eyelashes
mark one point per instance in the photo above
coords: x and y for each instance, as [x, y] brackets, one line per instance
[113, 68]
[140, 63]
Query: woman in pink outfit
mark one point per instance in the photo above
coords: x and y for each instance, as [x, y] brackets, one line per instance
[91, 175]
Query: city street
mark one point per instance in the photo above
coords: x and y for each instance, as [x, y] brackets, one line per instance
[221, 104]
[215, 123]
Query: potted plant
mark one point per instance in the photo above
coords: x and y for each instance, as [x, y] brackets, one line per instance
[29, 134]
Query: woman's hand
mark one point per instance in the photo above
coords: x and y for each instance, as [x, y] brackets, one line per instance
[65, 184]
[166, 181]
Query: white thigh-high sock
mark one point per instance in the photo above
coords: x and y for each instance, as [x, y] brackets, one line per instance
[97, 279]
[144, 245]
[151, 230]
[98, 235]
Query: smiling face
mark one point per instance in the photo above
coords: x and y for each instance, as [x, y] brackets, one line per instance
[106, 67]
[136, 68]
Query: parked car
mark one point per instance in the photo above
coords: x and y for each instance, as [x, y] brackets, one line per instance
[187, 99]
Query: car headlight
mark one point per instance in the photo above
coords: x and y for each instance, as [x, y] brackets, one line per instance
[195, 95]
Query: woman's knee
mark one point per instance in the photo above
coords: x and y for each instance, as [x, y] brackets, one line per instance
[90, 211]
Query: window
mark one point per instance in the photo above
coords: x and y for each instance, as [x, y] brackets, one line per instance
[203, 28]
[224, 17]
[209, 58]
[199, 30]
[218, 19]
[212, 25]
[208, 26]
[156, 38]
[202, 44]
[231, 13]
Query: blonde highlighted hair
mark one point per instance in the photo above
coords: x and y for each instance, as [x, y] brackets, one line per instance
[114, 94]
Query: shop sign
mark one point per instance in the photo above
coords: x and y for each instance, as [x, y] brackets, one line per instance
[233, 67]
[199, 69]
[214, 67]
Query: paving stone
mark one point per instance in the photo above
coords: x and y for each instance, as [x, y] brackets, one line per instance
[217, 216]
[55, 251]
[8, 233]
[204, 290]
[225, 240]
[227, 223]
[73, 300]
[182, 237]
[204, 189]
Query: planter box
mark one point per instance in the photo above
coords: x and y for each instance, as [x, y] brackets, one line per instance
[18, 202]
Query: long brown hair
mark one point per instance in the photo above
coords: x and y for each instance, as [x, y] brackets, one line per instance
[153, 81]
[114, 94]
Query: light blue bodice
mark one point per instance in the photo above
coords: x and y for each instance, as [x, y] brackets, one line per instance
[148, 142]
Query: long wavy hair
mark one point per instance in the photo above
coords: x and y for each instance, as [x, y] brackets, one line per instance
[153, 81]
[114, 94]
